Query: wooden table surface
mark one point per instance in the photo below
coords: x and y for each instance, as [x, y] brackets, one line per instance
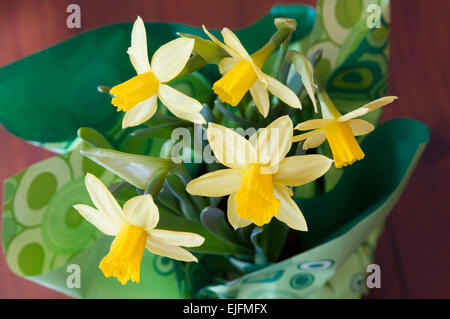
[414, 249]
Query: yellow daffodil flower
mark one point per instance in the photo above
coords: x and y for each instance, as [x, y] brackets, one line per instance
[340, 131]
[134, 230]
[138, 96]
[242, 72]
[258, 174]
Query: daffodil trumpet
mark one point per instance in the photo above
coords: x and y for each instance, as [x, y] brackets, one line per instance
[138, 96]
[258, 176]
[242, 72]
[134, 230]
[339, 130]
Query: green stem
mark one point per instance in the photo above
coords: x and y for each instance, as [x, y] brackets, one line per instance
[285, 27]
[329, 110]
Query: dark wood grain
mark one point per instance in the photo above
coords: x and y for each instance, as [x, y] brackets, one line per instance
[414, 249]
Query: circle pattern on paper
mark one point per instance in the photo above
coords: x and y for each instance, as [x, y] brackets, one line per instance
[163, 265]
[301, 281]
[316, 265]
[36, 188]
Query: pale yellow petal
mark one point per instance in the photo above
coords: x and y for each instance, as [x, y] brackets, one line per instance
[230, 148]
[226, 64]
[313, 124]
[141, 113]
[235, 220]
[170, 59]
[304, 136]
[302, 169]
[260, 97]
[178, 100]
[216, 184]
[180, 105]
[103, 199]
[315, 140]
[159, 247]
[229, 50]
[380, 102]
[138, 50]
[360, 127]
[281, 91]
[177, 238]
[289, 212]
[274, 141]
[99, 220]
[196, 117]
[232, 41]
[369, 107]
[142, 211]
[355, 113]
[262, 77]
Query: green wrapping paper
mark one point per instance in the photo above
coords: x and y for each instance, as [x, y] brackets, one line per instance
[42, 234]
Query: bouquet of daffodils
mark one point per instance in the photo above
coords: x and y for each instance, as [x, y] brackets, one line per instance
[261, 185]
[252, 179]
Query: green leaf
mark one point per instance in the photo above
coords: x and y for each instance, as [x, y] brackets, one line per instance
[184, 174]
[212, 244]
[156, 183]
[138, 170]
[195, 62]
[272, 239]
[94, 138]
[160, 126]
[169, 201]
[178, 189]
[214, 220]
[208, 50]
[236, 119]
[123, 191]
[260, 256]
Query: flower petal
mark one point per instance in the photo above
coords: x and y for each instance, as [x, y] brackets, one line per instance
[230, 148]
[142, 211]
[369, 107]
[289, 212]
[380, 102]
[170, 59]
[196, 117]
[229, 50]
[138, 50]
[159, 247]
[304, 136]
[96, 218]
[355, 113]
[177, 238]
[141, 113]
[314, 140]
[235, 220]
[302, 169]
[103, 199]
[226, 64]
[284, 93]
[313, 124]
[216, 184]
[260, 74]
[232, 41]
[260, 97]
[360, 127]
[274, 141]
[180, 105]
